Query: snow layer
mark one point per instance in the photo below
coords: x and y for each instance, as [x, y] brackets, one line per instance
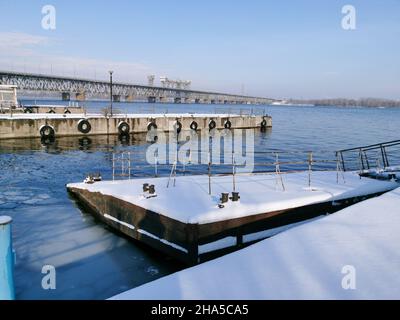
[118, 116]
[306, 262]
[190, 202]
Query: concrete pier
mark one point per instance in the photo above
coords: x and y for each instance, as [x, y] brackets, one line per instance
[55, 124]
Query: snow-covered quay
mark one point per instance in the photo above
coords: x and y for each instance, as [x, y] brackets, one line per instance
[352, 254]
[187, 222]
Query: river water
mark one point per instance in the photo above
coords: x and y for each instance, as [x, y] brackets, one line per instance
[93, 262]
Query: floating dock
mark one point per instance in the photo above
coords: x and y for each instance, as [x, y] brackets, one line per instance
[352, 254]
[51, 125]
[186, 222]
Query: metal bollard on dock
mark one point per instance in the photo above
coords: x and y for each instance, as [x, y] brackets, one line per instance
[6, 260]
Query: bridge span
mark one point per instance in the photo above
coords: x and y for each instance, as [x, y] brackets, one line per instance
[82, 89]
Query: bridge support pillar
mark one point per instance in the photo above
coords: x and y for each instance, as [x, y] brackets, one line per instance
[65, 96]
[151, 99]
[80, 96]
[197, 101]
[129, 98]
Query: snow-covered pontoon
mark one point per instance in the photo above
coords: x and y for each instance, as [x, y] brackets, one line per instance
[198, 217]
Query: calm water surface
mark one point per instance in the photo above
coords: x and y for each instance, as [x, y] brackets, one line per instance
[91, 261]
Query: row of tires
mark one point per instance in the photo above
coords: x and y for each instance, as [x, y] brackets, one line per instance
[84, 126]
[193, 125]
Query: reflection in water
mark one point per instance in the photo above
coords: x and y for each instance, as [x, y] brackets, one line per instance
[85, 143]
[124, 139]
[47, 141]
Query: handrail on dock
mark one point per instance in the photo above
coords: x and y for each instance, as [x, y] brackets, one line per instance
[253, 111]
[277, 165]
[365, 162]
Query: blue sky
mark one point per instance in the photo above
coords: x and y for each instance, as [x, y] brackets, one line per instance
[271, 48]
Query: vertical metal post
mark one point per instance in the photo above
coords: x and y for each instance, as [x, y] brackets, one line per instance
[366, 160]
[209, 173]
[155, 166]
[383, 157]
[129, 165]
[122, 165]
[337, 167]
[361, 156]
[278, 171]
[111, 92]
[386, 158]
[233, 172]
[341, 156]
[7, 291]
[310, 161]
[113, 166]
[176, 164]
[172, 174]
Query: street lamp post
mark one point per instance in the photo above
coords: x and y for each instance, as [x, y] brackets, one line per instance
[111, 92]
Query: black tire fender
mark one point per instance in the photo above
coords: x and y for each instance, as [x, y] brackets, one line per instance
[151, 125]
[228, 124]
[212, 124]
[84, 126]
[194, 125]
[46, 131]
[263, 123]
[123, 128]
[177, 126]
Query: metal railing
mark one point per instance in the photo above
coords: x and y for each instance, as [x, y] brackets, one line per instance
[281, 162]
[253, 111]
[374, 156]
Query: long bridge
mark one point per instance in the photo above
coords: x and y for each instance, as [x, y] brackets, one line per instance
[83, 89]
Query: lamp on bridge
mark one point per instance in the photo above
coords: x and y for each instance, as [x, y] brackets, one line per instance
[111, 93]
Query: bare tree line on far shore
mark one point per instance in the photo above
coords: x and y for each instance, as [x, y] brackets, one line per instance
[363, 102]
